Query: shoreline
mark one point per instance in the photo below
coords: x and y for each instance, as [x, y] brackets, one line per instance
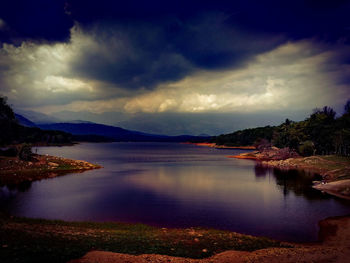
[41, 238]
[177, 245]
[334, 236]
[334, 179]
[335, 170]
[87, 242]
[340, 188]
[14, 171]
[214, 145]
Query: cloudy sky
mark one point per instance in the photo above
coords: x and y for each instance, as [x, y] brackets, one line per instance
[175, 67]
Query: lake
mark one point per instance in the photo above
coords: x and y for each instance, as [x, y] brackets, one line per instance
[177, 185]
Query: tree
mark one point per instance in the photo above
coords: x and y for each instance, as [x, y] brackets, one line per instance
[342, 133]
[7, 122]
[11, 132]
[262, 144]
[25, 152]
[347, 107]
[320, 128]
[307, 148]
[320, 133]
[6, 113]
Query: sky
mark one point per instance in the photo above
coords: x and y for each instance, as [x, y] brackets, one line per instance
[175, 67]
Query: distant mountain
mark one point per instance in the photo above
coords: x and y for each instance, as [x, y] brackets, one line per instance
[38, 117]
[204, 135]
[94, 132]
[89, 130]
[78, 121]
[24, 121]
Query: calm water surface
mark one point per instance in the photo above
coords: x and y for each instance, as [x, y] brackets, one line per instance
[176, 185]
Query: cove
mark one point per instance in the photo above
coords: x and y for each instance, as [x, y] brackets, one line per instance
[177, 185]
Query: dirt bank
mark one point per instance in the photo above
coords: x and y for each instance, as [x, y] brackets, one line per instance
[338, 188]
[335, 170]
[15, 171]
[333, 247]
[214, 145]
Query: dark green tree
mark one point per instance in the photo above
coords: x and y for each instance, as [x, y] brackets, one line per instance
[11, 132]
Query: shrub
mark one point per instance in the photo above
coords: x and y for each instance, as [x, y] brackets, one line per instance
[262, 144]
[25, 152]
[307, 148]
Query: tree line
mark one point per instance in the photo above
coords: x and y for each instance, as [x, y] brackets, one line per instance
[321, 133]
[11, 132]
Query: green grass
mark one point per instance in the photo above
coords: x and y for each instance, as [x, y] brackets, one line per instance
[336, 166]
[339, 166]
[36, 240]
[17, 171]
[337, 158]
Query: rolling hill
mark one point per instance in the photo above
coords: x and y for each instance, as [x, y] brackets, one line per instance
[89, 131]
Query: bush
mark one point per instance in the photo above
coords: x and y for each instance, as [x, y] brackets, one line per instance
[262, 144]
[307, 148]
[25, 153]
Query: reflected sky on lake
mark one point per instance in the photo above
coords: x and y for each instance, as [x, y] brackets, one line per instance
[177, 185]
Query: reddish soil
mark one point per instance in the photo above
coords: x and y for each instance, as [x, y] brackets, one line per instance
[334, 247]
[214, 145]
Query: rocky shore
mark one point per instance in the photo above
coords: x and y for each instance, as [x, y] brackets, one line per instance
[335, 170]
[15, 171]
[214, 145]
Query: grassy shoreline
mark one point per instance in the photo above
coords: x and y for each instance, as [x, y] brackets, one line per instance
[38, 240]
[214, 145]
[335, 170]
[16, 171]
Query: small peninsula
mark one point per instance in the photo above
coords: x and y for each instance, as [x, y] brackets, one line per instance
[18, 164]
[13, 170]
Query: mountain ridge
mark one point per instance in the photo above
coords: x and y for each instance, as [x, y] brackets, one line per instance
[90, 131]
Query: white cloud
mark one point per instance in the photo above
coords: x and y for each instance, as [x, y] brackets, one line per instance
[62, 84]
[41, 73]
[295, 75]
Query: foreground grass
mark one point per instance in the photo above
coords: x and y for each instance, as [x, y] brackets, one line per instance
[36, 240]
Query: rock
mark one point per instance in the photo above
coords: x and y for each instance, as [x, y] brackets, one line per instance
[53, 164]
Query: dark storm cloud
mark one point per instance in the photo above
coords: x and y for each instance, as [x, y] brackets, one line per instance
[298, 19]
[144, 43]
[35, 20]
[144, 55]
[209, 42]
[152, 59]
[166, 41]
[132, 56]
[205, 33]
